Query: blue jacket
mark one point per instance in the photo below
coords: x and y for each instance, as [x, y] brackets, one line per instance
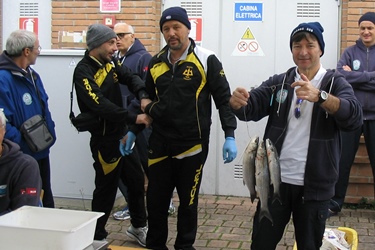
[362, 77]
[274, 98]
[20, 101]
[136, 59]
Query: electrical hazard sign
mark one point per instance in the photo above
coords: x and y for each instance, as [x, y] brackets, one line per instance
[248, 45]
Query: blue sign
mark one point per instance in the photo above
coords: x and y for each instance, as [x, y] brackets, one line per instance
[248, 11]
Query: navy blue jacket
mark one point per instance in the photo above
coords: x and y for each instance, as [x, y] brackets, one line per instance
[274, 98]
[362, 77]
[136, 59]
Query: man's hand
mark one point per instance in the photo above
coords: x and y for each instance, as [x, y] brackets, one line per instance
[229, 149]
[346, 68]
[144, 119]
[239, 98]
[305, 90]
[144, 103]
[127, 143]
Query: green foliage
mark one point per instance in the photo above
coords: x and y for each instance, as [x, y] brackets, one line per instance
[363, 203]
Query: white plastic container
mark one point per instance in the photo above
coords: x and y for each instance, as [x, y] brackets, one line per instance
[47, 229]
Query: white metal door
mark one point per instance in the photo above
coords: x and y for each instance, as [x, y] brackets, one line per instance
[270, 54]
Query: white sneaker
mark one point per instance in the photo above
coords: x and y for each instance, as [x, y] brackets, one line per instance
[139, 234]
[122, 214]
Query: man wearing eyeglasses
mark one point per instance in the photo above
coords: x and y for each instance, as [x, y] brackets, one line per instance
[133, 55]
[307, 106]
[22, 95]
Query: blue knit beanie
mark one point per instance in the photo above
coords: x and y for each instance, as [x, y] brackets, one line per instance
[369, 16]
[175, 13]
[314, 28]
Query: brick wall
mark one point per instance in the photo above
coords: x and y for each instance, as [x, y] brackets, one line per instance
[76, 16]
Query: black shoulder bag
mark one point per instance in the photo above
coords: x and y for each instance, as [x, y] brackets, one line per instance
[85, 121]
[34, 130]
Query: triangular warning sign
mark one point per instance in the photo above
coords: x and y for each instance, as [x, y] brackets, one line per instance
[72, 63]
[248, 45]
[248, 35]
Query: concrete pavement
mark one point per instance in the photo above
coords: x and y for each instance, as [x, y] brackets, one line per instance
[225, 222]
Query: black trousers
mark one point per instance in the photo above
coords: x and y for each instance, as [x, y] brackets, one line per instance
[350, 144]
[45, 174]
[309, 219]
[109, 166]
[173, 166]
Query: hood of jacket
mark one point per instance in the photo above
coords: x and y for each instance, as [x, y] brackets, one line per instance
[7, 63]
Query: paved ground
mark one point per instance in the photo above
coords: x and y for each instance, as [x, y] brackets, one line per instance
[225, 222]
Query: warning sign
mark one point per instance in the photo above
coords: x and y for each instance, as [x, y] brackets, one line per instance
[248, 35]
[248, 45]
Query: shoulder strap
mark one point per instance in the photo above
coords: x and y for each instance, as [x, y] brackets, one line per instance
[37, 92]
[71, 114]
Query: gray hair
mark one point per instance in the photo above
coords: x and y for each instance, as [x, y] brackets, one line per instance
[131, 28]
[19, 40]
[3, 119]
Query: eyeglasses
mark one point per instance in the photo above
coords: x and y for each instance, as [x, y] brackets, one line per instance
[32, 48]
[121, 35]
[297, 110]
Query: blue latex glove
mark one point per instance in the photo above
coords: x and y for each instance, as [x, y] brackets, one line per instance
[127, 143]
[229, 149]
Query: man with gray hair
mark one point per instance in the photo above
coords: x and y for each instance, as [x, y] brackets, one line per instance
[97, 78]
[20, 183]
[22, 96]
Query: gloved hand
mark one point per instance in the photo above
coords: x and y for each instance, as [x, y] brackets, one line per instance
[127, 143]
[229, 149]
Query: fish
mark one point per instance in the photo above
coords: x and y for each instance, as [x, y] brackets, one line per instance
[249, 166]
[274, 169]
[262, 181]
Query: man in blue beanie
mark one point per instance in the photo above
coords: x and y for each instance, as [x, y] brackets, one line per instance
[181, 82]
[357, 64]
[307, 106]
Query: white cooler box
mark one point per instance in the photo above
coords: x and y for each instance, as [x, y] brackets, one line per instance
[47, 229]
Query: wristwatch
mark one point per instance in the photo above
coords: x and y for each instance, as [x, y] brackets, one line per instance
[322, 96]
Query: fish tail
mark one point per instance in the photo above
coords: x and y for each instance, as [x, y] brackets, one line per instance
[252, 197]
[276, 197]
[265, 213]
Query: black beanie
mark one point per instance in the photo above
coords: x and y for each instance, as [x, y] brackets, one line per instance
[369, 16]
[97, 34]
[314, 28]
[175, 13]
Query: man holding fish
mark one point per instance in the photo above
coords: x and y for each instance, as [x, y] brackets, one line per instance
[307, 106]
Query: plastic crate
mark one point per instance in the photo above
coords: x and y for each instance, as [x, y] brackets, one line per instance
[47, 228]
[351, 237]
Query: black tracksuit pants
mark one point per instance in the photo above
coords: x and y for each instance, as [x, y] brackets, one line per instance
[109, 166]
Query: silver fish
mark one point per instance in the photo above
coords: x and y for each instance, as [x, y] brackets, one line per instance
[262, 181]
[274, 168]
[249, 166]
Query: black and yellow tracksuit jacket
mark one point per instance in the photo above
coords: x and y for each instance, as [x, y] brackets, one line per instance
[98, 91]
[181, 95]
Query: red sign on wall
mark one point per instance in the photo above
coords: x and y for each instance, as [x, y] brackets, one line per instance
[29, 23]
[196, 28]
